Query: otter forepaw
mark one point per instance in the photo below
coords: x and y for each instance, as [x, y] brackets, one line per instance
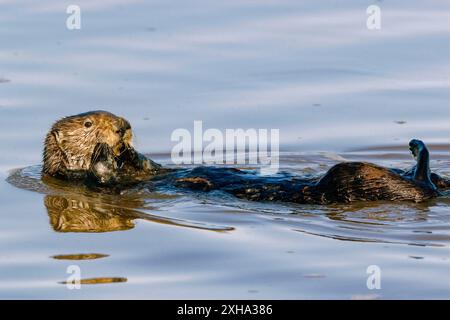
[103, 167]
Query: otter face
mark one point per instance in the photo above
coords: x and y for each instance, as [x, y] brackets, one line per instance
[71, 141]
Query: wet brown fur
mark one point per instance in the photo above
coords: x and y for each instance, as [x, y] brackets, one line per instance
[70, 144]
[361, 181]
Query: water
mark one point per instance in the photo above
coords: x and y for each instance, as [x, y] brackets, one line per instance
[336, 91]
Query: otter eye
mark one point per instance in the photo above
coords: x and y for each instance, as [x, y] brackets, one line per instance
[88, 124]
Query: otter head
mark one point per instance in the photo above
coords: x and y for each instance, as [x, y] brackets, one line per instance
[71, 141]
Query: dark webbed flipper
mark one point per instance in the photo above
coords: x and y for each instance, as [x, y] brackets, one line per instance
[422, 172]
[420, 152]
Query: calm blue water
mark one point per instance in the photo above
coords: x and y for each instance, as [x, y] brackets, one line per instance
[311, 69]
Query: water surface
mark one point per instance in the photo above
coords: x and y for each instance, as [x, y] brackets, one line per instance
[336, 91]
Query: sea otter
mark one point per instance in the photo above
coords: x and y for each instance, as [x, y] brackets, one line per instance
[96, 147]
[90, 146]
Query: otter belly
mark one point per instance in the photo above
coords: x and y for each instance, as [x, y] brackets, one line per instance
[359, 181]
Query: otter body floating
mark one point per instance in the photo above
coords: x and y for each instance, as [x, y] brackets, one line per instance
[96, 147]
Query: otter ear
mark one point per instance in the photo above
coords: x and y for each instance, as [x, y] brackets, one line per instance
[58, 136]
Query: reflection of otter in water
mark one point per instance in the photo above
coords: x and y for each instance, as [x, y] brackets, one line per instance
[75, 207]
[96, 147]
[76, 213]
